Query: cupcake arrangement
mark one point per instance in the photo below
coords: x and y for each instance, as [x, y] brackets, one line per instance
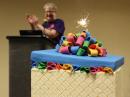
[81, 44]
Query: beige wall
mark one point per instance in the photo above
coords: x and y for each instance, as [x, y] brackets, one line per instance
[109, 21]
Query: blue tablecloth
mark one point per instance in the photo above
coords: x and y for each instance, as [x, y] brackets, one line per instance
[111, 61]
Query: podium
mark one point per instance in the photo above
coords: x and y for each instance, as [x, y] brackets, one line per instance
[20, 64]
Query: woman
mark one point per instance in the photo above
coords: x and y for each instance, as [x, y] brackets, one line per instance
[52, 27]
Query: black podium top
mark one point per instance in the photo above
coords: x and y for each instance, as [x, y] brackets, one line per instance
[30, 37]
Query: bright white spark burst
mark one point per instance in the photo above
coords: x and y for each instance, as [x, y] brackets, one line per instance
[83, 22]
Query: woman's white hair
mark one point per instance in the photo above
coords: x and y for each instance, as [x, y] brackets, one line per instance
[50, 6]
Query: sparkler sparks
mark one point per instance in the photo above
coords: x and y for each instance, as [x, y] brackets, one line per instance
[83, 22]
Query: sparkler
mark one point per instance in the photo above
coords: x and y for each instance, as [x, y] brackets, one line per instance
[83, 22]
